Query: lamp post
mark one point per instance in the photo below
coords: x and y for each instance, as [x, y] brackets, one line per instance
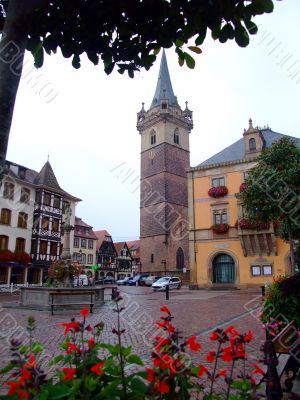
[164, 262]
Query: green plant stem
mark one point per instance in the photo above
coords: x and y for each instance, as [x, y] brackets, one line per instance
[121, 354]
[230, 379]
[215, 369]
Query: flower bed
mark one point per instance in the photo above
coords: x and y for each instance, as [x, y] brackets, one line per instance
[220, 228]
[258, 225]
[81, 373]
[219, 191]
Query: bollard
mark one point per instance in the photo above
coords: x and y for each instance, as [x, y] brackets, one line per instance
[263, 290]
[167, 292]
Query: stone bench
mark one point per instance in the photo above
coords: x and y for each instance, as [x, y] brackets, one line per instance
[72, 298]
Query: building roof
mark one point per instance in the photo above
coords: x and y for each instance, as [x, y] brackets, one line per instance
[83, 230]
[164, 88]
[101, 236]
[133, 244]
[119, 246]
[47, 177]
[236, 151]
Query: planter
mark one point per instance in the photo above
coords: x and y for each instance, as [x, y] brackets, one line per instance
[243, 186]
[284, 342]
[219, 191]
[220, 228]
[258, 225]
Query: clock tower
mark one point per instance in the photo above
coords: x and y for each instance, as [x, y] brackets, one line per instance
[165, 158]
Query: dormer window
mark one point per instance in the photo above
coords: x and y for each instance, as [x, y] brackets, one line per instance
[252, 144]
[152, 137]
[164, 106]
[176, 136]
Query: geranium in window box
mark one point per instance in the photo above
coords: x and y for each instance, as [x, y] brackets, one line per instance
[219, 191]
[220, 228]
[258, 225]
[243, 186]
[7, 256]
[22, 257]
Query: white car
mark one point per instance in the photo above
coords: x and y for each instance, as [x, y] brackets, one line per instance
[161, 283]
[123, 281]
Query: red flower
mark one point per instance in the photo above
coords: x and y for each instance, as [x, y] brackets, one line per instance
[214, 336]
[223, 372]
[163, 387]
[70, 325]
[84, 312]
[193, 345]
[211, 356]
[26, 374]
[227, 354]
[71, 347]
[258, 370]
[97, 369]
[90, 342]
[202, 370]
[150, 374]
[69, 374]
[248, 337]
[231, 331]
[165, 309]
[165, 362]
[22, 394]
[14, 386]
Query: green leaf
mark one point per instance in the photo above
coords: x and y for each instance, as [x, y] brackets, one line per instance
[126, 350]
[56, 359]
[7, 368]
[241, 36]
[106, 393]
[156, 51]
[59, 391]
[138, 386]
[134, 359]
[179, 42]
[251, 26]
[180, 61]
[195, 49]
[190, 62]
[37, 348]
[38, 54]
[201, 36]
[76, 61]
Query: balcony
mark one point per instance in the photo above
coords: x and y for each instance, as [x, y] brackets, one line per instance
[257, 241]
[45, 234]
[48, 209]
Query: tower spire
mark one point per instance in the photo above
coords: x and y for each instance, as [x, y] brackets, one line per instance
[164, 88]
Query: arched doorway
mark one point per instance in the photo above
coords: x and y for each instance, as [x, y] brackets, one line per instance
[179, 259]
[223, 269]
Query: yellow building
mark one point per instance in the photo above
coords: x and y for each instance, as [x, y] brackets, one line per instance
[226, 249]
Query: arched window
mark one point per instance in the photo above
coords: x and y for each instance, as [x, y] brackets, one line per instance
[252, 144]
[176, 136]
[152, 137]
[223, 269]
[179, 259]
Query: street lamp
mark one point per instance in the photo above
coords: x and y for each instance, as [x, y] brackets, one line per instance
[164, 262]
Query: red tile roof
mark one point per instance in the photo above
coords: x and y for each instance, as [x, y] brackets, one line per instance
[81, 228]
[100, 237]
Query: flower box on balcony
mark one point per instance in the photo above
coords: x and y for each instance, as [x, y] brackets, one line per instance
[220, 228]
[219, 191]
[258, 225]
[243, 186]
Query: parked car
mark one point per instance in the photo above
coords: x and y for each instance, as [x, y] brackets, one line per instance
[142, 281]
[136, 279]
[105, 281]
[123, 281]
[151, 279]
[161, 283]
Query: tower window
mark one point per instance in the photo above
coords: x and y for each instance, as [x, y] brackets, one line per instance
[164, 106]
[152, 137]
[152, 258]
[252, 144]
[176, 136]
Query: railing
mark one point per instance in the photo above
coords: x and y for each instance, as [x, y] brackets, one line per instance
[49, 209]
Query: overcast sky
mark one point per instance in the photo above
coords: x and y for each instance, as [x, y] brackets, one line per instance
[86, 121]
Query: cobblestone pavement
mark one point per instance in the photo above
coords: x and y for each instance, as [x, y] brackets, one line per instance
[195, 313]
